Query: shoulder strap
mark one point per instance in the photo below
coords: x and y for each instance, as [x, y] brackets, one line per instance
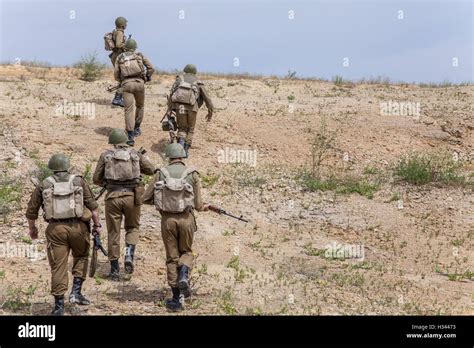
[51, 180]
[188, 171]
[71, 178]
[165, 172]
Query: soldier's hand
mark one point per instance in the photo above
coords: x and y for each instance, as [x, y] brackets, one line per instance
[205, 207]
[209, 117]
[33, 232]
[97, 229]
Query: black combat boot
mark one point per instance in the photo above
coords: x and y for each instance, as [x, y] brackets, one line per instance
[58, 305]
[129, 254]
[131, 140]
[174, 303]
[118, 100]
[114, 270]
[186, 149]
[76, 295]
[183, 281]
[137, 131]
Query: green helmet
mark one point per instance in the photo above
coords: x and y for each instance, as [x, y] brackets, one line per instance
[190, 69]
[120, 22]
[130, 45]
[58, 162]
[175, 150]
[117, 136]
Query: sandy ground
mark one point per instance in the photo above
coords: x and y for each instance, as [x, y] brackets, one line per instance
[413, 246]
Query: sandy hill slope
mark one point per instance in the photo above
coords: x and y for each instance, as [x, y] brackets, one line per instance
[414, 243]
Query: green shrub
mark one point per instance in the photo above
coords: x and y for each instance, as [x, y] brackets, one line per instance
[42, 172]
[10, 196]
[338, 80]
[346, 185]
[421, 169]
[92, 69]
[209, 180]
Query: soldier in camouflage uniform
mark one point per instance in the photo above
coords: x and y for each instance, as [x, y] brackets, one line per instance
[187, 95]
[178, 223]
[119, 170]
[68, 206]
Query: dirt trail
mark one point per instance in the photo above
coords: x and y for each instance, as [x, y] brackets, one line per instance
[413, 245]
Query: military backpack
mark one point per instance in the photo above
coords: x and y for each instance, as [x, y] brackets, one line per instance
[122, 164]
[186, 92]
[131, 65]
[174, 195]
[109, 41]
[62, 199]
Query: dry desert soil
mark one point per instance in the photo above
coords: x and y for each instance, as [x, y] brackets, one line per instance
[413, 243]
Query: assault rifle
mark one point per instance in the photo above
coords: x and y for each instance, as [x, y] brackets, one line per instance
[97, 246]
[221, 211]
[101, 192]
[169, 122]
[113, 88]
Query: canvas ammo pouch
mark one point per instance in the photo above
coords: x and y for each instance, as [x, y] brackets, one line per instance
[139, 192]
[122, 164]
[131, 65]
[174, 195]
[62, 199]
[186, 93]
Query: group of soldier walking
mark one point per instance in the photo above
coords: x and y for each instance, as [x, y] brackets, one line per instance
[132, 70]
[70, 208]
